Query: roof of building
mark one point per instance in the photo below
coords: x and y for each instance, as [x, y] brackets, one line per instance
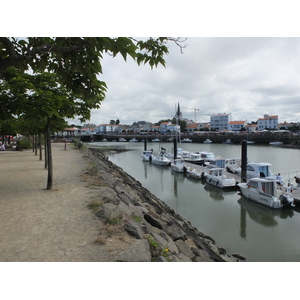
[269, 117]
[237, 122]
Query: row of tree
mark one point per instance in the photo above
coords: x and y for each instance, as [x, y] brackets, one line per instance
[45, 80]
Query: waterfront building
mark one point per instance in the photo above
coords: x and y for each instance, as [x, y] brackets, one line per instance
[168, 126]
[192, 127]
[267, 122]
[219, 122]
[251, 127]
[107, 128]
[236, 125]
[140, 126]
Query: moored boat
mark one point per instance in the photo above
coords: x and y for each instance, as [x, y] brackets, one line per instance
[275, 143]
[194, 158]
[161, 159]
[207, 156]
[207, 141]
[258, 170]
[219, 178]
[186, 140]
[178, 165]
[147, 155]
[228, 141]
[194, 172]
[265, 191]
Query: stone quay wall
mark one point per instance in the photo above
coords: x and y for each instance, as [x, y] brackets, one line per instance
[152, 230]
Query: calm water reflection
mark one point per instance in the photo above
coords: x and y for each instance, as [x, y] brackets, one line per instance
[255, 231]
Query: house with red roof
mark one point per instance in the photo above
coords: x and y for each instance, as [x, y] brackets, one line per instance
[236, 125]
[267, 122]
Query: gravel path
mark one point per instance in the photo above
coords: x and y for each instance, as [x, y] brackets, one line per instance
[41, 225]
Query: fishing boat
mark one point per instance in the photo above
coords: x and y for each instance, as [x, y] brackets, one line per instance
[178, 165]
[265, 191]
[147, 155]
[219, 178]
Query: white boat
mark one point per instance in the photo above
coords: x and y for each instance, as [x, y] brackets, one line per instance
[182, 153]
[122, 140]
[156, 140]
[265, 192]
[104, 140]
[186, 140]
[147, 155]
[258, 170]
[207, 156]
[207, 141]
[134, 140]
[194, 172]
[219, 178]
[178, 165]
[161, 159]
[228, 141]
[275, 143]
[194, 158]
[231, 164]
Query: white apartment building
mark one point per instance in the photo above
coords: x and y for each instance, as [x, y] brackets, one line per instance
[219, 122]
[270, 122]
[106, 128]
[168, 126]
[236, 125]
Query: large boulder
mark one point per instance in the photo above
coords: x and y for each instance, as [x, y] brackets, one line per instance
[137, 251]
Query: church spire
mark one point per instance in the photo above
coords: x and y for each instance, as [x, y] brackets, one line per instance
[178, 113]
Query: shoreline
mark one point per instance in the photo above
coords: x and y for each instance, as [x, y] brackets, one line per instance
[95, 213]
[156, 219]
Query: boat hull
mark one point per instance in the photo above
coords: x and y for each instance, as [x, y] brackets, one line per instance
[264, 199]
[221, 183]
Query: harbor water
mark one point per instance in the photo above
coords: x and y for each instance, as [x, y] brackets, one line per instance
[257, 232]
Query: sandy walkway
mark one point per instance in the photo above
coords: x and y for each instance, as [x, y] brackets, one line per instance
[41, 225]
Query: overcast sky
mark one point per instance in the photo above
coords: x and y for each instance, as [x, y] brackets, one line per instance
[247, 77]
[237, 66]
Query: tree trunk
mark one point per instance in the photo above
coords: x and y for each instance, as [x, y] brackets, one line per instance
[45, 150]
[49, 156]
[35, 144]
[40, 146]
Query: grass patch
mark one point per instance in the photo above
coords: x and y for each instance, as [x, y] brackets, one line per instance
[114, 220]
[93, 205]
[156, 249]
[137, 219]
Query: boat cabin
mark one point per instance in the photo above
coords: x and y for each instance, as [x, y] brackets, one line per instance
[268, 187]
[261, 170]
